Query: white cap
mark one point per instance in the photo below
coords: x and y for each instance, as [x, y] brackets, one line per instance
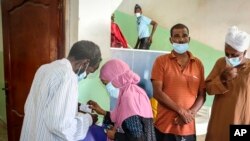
[239, 40]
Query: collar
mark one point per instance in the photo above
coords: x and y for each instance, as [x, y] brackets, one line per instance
[139, 17]
[67, 63]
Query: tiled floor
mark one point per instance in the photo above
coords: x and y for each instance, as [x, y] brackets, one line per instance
[3, 132]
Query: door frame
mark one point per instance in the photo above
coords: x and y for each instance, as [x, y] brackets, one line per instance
[6, 53]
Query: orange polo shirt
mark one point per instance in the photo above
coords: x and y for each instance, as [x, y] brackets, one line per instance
[181, 85]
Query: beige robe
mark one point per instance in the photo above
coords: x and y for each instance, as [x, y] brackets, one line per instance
[231, 104]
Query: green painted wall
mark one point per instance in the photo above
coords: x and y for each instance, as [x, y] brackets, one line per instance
[206, 53]
[2, 94]
[93, 89]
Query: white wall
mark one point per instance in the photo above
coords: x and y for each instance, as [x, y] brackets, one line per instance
[90, 20]
[95, 22]
[71, 23]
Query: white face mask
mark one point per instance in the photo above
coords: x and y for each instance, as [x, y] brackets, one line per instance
[137, 14]
[233, 62]
[114, 94]
[82, 75]
[180, 48]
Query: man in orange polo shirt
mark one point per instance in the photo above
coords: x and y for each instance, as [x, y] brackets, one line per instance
[179, 88]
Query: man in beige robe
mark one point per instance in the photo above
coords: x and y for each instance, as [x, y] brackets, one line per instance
[229, 82]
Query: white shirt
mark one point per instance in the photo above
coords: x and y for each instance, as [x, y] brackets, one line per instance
[51, 107]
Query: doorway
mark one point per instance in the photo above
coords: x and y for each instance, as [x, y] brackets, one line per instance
[33, 34]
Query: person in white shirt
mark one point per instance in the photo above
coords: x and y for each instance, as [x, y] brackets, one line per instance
[51, 109]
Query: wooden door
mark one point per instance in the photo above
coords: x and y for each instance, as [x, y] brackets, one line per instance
[33, 34]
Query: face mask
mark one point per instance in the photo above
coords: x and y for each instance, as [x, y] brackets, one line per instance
[82, 75]
[114, 94]
[235, 61]
[137, 14]
[180, 48]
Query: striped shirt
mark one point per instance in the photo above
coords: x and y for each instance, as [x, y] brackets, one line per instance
[51, 107]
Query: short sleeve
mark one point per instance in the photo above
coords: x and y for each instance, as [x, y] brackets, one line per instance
[158, 69]
[146, 20]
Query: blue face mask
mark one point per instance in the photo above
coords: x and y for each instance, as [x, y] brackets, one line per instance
[235, 61]
[114, 94]
[82, 75]
[180, 48]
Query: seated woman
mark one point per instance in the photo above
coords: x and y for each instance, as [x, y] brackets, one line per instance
[132, 117]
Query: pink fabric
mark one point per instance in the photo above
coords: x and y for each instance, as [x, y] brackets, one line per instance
[132, 99]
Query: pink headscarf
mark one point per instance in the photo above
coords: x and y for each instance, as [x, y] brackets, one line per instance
[132, 99]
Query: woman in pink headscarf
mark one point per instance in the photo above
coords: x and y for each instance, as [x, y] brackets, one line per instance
[132, 115]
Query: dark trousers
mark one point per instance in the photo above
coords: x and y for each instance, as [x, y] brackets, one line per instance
[144, 44]
[171, 137]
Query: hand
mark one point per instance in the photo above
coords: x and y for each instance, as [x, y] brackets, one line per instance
[94, 106]
[111, 133]
[150, 39]
[94, 118]
[229, 73]
[179, 120]
[186, 115]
